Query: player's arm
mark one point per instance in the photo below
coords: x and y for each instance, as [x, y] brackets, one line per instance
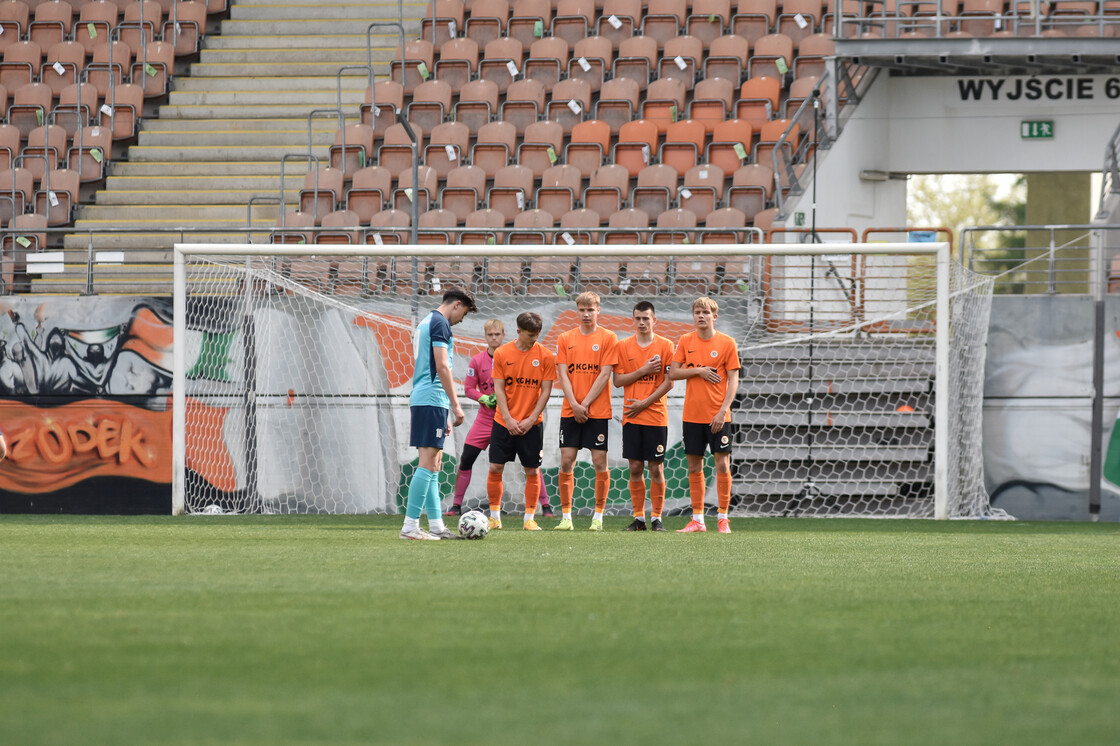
[3, 447]
[566, 387]
[620, 379]
[678, 372]
[728, 396]
[470, 384]
[663, 389]
[599, 386]
[503, 405]
[542, 402]
[443, 370]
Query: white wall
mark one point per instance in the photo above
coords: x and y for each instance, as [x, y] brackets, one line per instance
[957, 125]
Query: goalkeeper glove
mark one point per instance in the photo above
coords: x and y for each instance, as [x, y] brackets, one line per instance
[488, 400]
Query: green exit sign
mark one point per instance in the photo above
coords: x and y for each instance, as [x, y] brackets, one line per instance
[1036, 130]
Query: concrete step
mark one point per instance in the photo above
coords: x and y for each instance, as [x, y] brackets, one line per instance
[305, 26]
[340, 11]
[302, 98]
[173, 214]
[216, 196]
[204, 72]
[256, 111]
[163, 184]
[379, 39]
[148, 243]
[193, 169]
[230, 124]
[342, 54]
[207, 153]
[352, 83]
[293, 138]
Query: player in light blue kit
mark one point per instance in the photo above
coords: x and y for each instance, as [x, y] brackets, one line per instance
[435, 410]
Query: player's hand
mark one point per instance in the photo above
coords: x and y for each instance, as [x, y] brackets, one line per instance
[718, 421]
[709, 374]
[580, 412]
[488, 400]
[652, 365]
[457, 416]
[634, 409]
[525, 425]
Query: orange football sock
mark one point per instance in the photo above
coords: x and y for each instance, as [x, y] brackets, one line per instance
[566, 485]
[696, 487]
[532, 494]
[656, 498]
[494, 490]
[602, 487]
[723, 490]
[638, 497]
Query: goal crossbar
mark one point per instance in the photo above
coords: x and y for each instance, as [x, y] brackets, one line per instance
[939, 250]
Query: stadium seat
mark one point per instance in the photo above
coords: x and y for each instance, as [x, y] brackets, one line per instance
[750, 190]
[800, 90]
[637, 59]
[463, 192]
[430, 223]
[511, 192]
[542, 147]
[758, 100]
[681, 59]
[618, 102]
[619, 20]
[57, 197]
[154, 66]
[446, 272]
[727, 59]
[531, 228]
[9, 147]
[656, 189]
[21, 65]
[711, 102]
[107, 66]
[431, 102]
[524, 104]
[353, 148]
[487, 21]
[489, 222]
[395, 154]
[75, 108]
[30, 104]
[494, 146]
[637, 145]
[696, 275]
[427, 183]
[126, 105]
[340, 221]
[456, 66]
[321, 192]
[65, 61]
[3, 103]
[184, 27]
[559, 189]
[664, 103]
[138, 24]
[701, 190]
[765, 219]
[447, 17]
[95, 24]
[643, 276]
[768, 138]
[754, 19]
[812, 53]
[578, 227]
[15, 18]
[90, 151]
[24, 238]
[478, 103]
[589, 144]
[417, 65]
[369, 192]
[731, 145]
[16, 189]
[608, 189]
[386, 219]
[978, 17]
[707, 19]
[502, 62]
[573, 20]
[684, 144]
[670, 222]
[664, 20]
[388, 98]
[287, 223]
[529, 20]
[447, 147]
[801, 18]
[548, 61]
[52, 23]
[45, 149]
[591, 58]
[725, 217]
[773, 57]
[627, 218]
[570, 103]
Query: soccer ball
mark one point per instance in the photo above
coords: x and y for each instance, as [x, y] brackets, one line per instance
[474, 525]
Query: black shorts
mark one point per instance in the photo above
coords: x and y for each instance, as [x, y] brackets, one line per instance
[527, 448]
[591, 434]
[698, 437]
[644, 442]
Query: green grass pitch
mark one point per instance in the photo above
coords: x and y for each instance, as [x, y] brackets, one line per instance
[329, 630]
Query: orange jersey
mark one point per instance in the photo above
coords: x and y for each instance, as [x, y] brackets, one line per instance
[585, 355]
[702, 399]
[631, 357]
[524, 374]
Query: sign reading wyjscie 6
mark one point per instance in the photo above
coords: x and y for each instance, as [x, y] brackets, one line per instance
[1044, 88]
[1036, 130]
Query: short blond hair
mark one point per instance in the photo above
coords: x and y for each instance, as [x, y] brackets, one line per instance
[706, 303]
[493, 324]
[588, 298]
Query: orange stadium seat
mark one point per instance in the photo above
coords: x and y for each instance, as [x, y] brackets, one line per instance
[489, 222]
[90, 151]
[65, 61]
[671, 224]
[711, 101]
[457, 64]
[430, 223]
[664, 19]
[487, 21]
[544, 142]
[321, 192]
[578, 227]
[463, 192]
[664, 102]
[524, 104]
[107, 66]
[570, 103]
[731, 145]
[548, 59]
[353, 148]
[684, 144]
[681, 58]
[447, 147]
[388, 98]
[138, 24]
[702, 190]
[637, 59]
[758, 100]
[801, 18]
[608, 189]
[573, 20]
[15, 17]
[369, 192]
[154, 66]
[591, 58]
[656, 189]
[44, 151]
[389, 219]
[754, 19]
[478, 103]
[21, 65]
[417, 65]
[532, 225]
[627, 218]
[529, 20]
[52, 24]
[707, 19]
[59, 208]
[773, 57]
[75, 108]
[588, 146]
[511, 192]
[447, 17]
[502, 62]
[184, 27]
[30, 104]
[431, 102]
[637, 145]
[619, 20]
[727, 58]
[427, 183]
[725, 217]
[494, 146]
[560, 186]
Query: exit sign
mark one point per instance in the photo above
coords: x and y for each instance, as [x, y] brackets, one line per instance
[1036, 130]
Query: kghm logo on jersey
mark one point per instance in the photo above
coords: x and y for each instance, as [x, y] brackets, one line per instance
[520, 381]
[584, 367]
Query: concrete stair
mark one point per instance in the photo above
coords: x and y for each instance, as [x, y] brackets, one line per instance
[221, 133]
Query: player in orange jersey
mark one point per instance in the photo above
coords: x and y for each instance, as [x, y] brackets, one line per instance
[585, 357]
[523, 374]
[709, 361]
[642, 372]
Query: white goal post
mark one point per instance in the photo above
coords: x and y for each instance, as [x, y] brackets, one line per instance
[250, 270]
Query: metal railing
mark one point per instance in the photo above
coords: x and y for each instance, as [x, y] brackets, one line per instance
[1028, 19]
[1045, 259]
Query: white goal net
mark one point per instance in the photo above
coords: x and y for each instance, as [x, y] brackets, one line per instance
[860, 389]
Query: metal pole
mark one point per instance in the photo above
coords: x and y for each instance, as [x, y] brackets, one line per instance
[178, 387]
[1096, 436]
[941, 390]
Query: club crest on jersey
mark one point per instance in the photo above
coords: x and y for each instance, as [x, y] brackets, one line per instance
[595, 348]
[470, 371]
[714, 353]
[601, 438]
[724, 440]
[660, 448]
[536, 363]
